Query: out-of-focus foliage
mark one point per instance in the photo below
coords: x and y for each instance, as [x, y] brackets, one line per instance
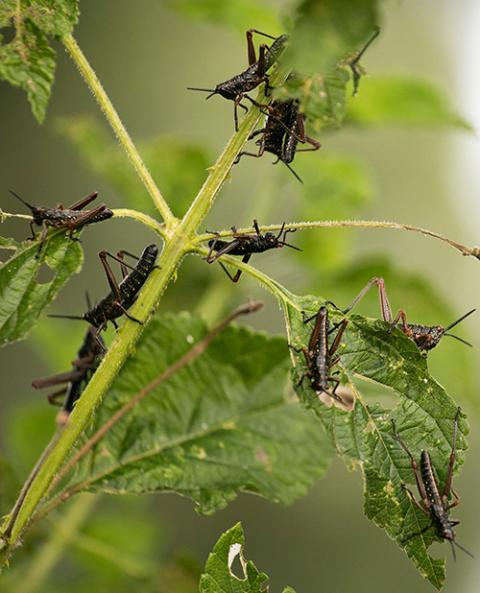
[23, 296]
[8, 486]
[402, 101]
[28, 60]
[178, 167]
[364, 435]
[239, 15]
[327, 30]
[215, 428]
[336, 187]
[220, 573]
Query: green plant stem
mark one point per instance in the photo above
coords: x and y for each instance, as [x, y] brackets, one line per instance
[176, 246]
[368, 224]
[121, 133]
[141, 217]
[5, 215]
[46, 559]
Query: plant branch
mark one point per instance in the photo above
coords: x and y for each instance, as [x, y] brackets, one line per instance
[184, 360]
[178, 243]
[115, 122]
[141, 217]
[5, 215]
[375, 224]
[276, 289]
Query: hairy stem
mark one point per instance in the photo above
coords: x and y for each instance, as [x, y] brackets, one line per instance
[141, 217]
[115, 122]
[368, 224]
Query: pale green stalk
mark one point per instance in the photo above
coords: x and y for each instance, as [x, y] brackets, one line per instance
[119, 129]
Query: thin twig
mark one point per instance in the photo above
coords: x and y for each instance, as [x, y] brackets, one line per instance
[375, 224]
[115, 122]
[184, 360]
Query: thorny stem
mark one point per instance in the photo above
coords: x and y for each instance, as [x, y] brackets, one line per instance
[121, 133]
[375, 224]
[184, 360]
[177, 244]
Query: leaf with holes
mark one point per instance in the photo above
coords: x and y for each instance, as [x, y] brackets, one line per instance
[28, 60]
[220, 575]
[223, 424]
[23, 296]
[363, 436]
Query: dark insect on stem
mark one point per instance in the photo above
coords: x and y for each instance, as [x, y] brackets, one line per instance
[354, 63]
[320, 356]
[121, 296]
[246, 245]
[434, 503]
[284, 129]
[235, 88]
[425, 337]
[75, 380]
[71, 218]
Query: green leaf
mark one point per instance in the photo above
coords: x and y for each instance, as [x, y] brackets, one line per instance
[239, 15]
[422, 409]
[23, 295]
[165, 157]
[219, 576]
[335, 187]
[402, 101]
[323, 97]
[327, 30]
[451, 362]
[216, 427]
[28, 61]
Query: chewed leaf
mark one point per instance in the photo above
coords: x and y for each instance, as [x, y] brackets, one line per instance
[23, 295]
[220, 575]
[215, 428]
[363, 435]
[28, 60]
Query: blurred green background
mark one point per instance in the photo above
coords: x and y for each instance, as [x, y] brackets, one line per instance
[146, 57]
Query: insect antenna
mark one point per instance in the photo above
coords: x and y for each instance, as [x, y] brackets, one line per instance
[459, 339]
[211, 91]
[454, 543]
[66, 316]
[289, 245]
[459, 320]
[88, 300]
[15, 195]
[296, 175]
